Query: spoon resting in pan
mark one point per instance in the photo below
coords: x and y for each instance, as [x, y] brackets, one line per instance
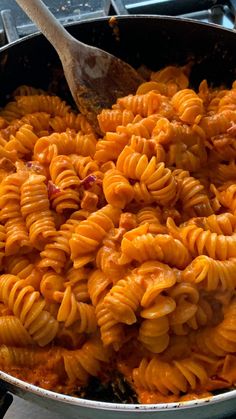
[95, 78]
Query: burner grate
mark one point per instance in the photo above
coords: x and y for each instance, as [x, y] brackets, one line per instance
[221, 12]
[16, 24]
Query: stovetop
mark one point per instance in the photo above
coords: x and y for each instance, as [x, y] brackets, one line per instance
[15, 24]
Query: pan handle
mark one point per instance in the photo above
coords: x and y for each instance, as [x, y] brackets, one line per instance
[232, 7]
[6, 400]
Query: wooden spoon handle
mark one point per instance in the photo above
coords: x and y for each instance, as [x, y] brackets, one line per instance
[48, 24]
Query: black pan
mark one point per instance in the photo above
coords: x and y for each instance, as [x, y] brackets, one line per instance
[150, 40]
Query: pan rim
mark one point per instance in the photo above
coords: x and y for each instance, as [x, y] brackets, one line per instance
[119, 407]
[178, 20]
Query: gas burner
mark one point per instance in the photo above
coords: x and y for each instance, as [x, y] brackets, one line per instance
[15, 24]
[220, 12]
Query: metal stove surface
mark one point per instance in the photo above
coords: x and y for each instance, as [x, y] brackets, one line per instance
[14, 23]
[221, 12]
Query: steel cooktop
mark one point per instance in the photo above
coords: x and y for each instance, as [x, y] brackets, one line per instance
[15, 24]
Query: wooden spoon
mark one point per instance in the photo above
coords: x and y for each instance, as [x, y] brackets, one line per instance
[95, 78]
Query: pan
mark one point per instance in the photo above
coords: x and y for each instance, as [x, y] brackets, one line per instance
[155, 41]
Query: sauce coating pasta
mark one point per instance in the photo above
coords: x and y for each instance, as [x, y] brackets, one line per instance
[118, 253]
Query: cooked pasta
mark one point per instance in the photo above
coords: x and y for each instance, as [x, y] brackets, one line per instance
[118, 253]
[211, 274]
[28, 306]
[82, 363]
[111, 330]
[65, 179]
[13, 333]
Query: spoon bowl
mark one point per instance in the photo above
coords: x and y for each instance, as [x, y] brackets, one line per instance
[95, 78]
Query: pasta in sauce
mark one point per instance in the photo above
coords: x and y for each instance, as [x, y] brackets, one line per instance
[118, 253]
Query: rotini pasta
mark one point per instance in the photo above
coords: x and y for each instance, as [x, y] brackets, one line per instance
[63, 176]
[211, 274]
[90, 233]
[188, 105]
[28, 306]
[17, 237]
[119, 253]
[35, 209]
[111, 330]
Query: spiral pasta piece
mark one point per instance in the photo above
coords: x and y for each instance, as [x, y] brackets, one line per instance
[144, 146]
[42, 103]
[192, 194]
[13, 333]
[143, 105]
[64, 143]
[142, 127]
[82, 363]
[157, 178]
[17, 238]
[153, 217]
[77, 279]
[156, 306]
[108, 261]
[228, 197]
[89, 233]
[124, 298]
[35, 210]
[25, 90]
[11, 112]
[140, 245]
[19, 266]
[170, 378]
[111, 330]
[171, 76]
[83, 166]
[153, 331]
[199, 241]
[182, 156]
[23, 141]
[220, 224]
[117, 189]
[55, 254]
[71, 310]
[24, 268]
[109, 119]
[228, 101]
[192, 311]
[221, 339]
[72, 121]
[28, 306]
[50, 284]
[218, 123]
[25, 357]
[166, 132]
[223, 173]
[162, 185]
[2, 243]
[39, 121]
[188, 105]
[64, 177]
[110, 147]
[211, 274]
